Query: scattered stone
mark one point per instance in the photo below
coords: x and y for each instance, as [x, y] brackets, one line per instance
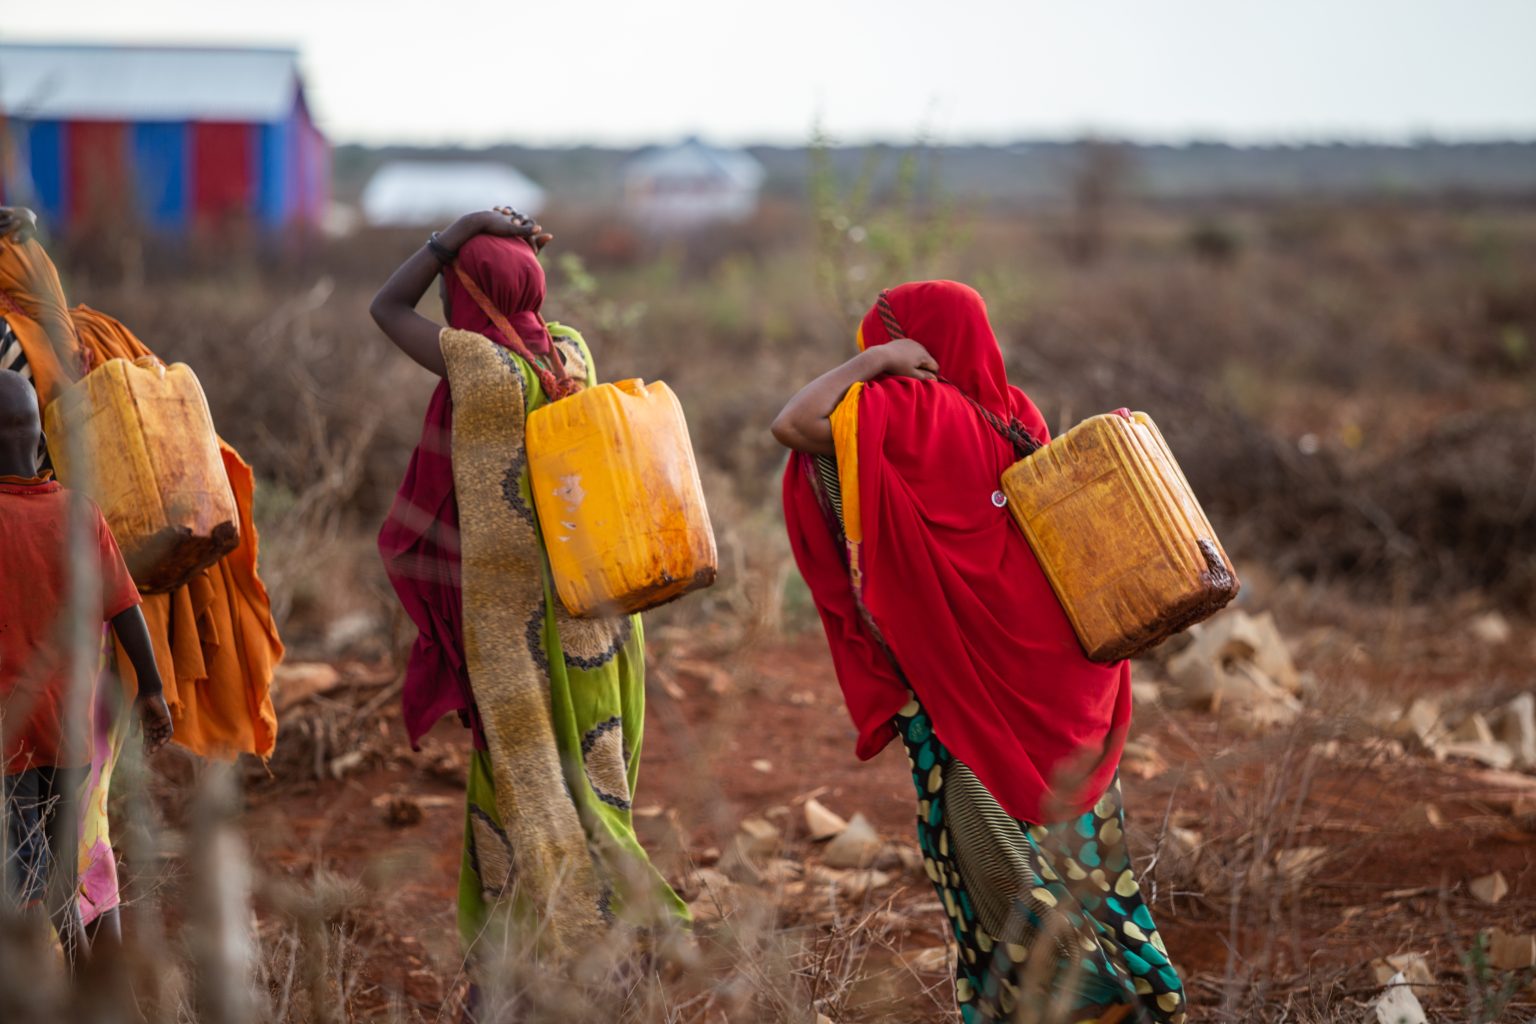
[934, 960]
[762, 764]
[856, 846]
[1413, 968]
[781, 870]
[294, 682]
[1473, 729]
[716, 896]
[1142, 760]
[854, 884]
[1515, 727]
[1423, 720]
[1273, 657]
[757, 838]
[1489, 888]
[1226, 641]
[346, 763]
[1145, 691]
[821, 823]
[1493, 754]
[1508, 951]
[1491, 629]
[1300, 862]
[895, 856]
[1424, 814]
[1398, 1004]
[351, 631]
[649, 811]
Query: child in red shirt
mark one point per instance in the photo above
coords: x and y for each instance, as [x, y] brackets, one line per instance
[45, 746]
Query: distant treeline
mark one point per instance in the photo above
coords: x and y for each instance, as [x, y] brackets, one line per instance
[1045, 171]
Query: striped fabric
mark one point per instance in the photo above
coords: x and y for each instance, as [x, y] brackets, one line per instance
[11, 355]
[831, 485]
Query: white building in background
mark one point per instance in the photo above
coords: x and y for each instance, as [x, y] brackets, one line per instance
[415, 193]
[690, 184]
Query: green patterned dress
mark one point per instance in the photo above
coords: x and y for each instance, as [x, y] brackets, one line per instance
[596, 672]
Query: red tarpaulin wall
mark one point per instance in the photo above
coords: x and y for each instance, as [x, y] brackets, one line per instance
[96, 169]
[223, 172]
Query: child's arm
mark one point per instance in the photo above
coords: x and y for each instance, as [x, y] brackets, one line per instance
[133, 633]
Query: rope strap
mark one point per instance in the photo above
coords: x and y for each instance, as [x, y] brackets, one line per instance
[554, 387]
[1011, 430]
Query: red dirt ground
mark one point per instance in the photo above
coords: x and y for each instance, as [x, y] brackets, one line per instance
[763, 727]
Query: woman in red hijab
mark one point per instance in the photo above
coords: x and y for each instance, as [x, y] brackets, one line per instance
[555, 705]
[945, 632]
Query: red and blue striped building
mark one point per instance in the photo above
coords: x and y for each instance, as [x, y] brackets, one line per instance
[173, 138]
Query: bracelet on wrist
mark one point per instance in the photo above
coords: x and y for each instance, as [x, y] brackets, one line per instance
[444, 254]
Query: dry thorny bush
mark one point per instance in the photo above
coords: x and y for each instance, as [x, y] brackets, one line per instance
[1349, 390]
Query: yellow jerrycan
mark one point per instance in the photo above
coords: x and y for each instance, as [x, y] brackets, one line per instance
[1125, 545]
[619, 500]
[154, 466]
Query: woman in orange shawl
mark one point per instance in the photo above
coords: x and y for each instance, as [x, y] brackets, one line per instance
[215, 640]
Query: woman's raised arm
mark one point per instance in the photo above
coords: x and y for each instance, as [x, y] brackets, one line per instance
[805, 424]
[394, 307]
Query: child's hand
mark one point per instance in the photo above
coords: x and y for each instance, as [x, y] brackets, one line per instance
[155, 718]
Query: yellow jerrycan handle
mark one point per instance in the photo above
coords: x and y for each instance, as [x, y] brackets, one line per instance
[631, 386]
[151, 363]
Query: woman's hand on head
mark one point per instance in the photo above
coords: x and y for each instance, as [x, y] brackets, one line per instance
[502, 221]
[903, 357]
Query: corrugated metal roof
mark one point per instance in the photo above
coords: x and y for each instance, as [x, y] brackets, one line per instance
[695, 159]
[409, 192]
[146, 83]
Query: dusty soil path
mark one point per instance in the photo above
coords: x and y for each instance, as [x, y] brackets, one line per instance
[755, 732]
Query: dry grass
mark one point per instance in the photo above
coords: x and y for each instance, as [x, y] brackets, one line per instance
[1349, 389]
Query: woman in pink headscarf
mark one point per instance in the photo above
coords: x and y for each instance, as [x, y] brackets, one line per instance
[594, 669]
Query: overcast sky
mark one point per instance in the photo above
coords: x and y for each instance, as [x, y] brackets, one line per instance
[475, 71]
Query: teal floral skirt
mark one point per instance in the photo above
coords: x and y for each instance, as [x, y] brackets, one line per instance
[1047, 917]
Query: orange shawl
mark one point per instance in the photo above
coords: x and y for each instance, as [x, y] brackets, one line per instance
[215, 640]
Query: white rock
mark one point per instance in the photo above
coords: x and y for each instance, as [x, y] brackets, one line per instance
[1272, 656]
[853, 883]
[1473, 729]
[1489, 888]
[1145, 691]
[1398, 1004]
[1141, 759]
[856, 846]
[1515, 727]
[820, 823]
[1300, 862]
[1508, 951]
[934, 960]
[1490, 628]
[1494, 755]
[1423, 720]
[757, 838]
[1413, 967]
[297, 681]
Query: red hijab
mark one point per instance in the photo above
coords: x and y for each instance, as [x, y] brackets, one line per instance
[420, 540]
[948, 581]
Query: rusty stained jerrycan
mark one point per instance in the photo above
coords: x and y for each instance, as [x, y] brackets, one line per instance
[1116, 527]
[154, 467]
[619, 500]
